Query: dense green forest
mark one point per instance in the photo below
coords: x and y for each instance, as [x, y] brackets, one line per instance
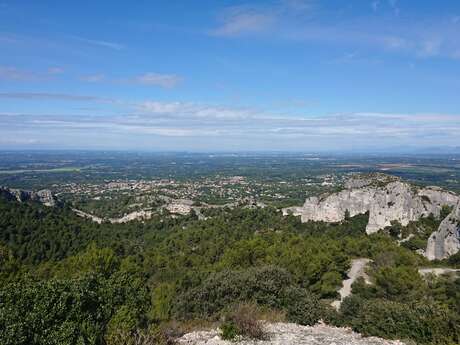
[66, 280]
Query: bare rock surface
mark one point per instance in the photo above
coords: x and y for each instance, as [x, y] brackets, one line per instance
[44, 196]
[290, 334]
[446, 240]
[386, 200]
[136, 215]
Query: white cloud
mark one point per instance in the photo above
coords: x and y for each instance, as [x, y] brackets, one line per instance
[17, 74]
[244, 20]
[53, 96]
[194, 110]
[12, 73]
[193, 123]
[422, 37]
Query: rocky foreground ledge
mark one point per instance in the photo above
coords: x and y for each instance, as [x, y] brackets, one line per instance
[291, 334]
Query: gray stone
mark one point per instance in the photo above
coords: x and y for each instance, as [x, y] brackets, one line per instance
[446, 240]
[44, 196]
[290, 334]
[388, 199]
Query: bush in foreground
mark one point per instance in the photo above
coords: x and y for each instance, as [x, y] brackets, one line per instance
[267, 286]
[424, 322]
[243, 320]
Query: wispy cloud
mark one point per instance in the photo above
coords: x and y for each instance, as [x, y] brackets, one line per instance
[12, 73]
[259, 18]
[53, 96]
[423, 37]
[18, 74]
[244, 20]
[99, 43]
[230, 120]
[206, 123]
[163, 80]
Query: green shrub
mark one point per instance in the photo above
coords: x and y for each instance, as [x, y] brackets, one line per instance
[243, 320]
[123, 322]
[68, 312]
[302, 306]
[229, 331]
[263, 285]
[162, 300]
[398, 283]
[267, 286]
[423, 322]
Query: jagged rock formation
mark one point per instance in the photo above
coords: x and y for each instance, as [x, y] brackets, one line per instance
[446, 240]
[44, 196]
[386, 198]
[290, 334]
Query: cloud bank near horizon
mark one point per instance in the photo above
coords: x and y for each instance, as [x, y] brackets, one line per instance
[178, 123]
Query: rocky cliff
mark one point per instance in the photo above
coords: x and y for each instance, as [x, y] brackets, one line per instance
[44, 196]
[446, 240]
[386, 198]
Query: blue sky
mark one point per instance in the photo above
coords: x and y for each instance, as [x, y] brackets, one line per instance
[302, 75]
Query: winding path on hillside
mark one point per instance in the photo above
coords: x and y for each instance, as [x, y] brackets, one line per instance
[438, 271]
[358, 269]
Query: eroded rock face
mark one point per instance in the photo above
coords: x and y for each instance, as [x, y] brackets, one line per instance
[385, 200]
[388, 199]
[45, 196]
[446, 240]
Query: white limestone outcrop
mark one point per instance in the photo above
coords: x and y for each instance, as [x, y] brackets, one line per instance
[386, 201]
[446, 240]
[388, 198]
[44, 196]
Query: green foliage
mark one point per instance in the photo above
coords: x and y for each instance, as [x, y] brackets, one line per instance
[445, 211]
[268, 286]
[53, 312]
[398, 283]
[71, 311]
[65, 280]
[125, 321]
[243, 321]
[395, 229]
[229, 331]
[302, 306]
[162, 301]
[425, 322]
[454, 259]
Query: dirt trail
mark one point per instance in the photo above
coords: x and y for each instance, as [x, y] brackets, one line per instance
[437, 271]
[357, 270]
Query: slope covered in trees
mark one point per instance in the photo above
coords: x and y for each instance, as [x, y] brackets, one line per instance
[65, 280]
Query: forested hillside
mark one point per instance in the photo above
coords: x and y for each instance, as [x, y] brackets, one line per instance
[66, 280]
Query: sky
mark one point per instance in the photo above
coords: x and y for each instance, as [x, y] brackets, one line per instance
[282, 75]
